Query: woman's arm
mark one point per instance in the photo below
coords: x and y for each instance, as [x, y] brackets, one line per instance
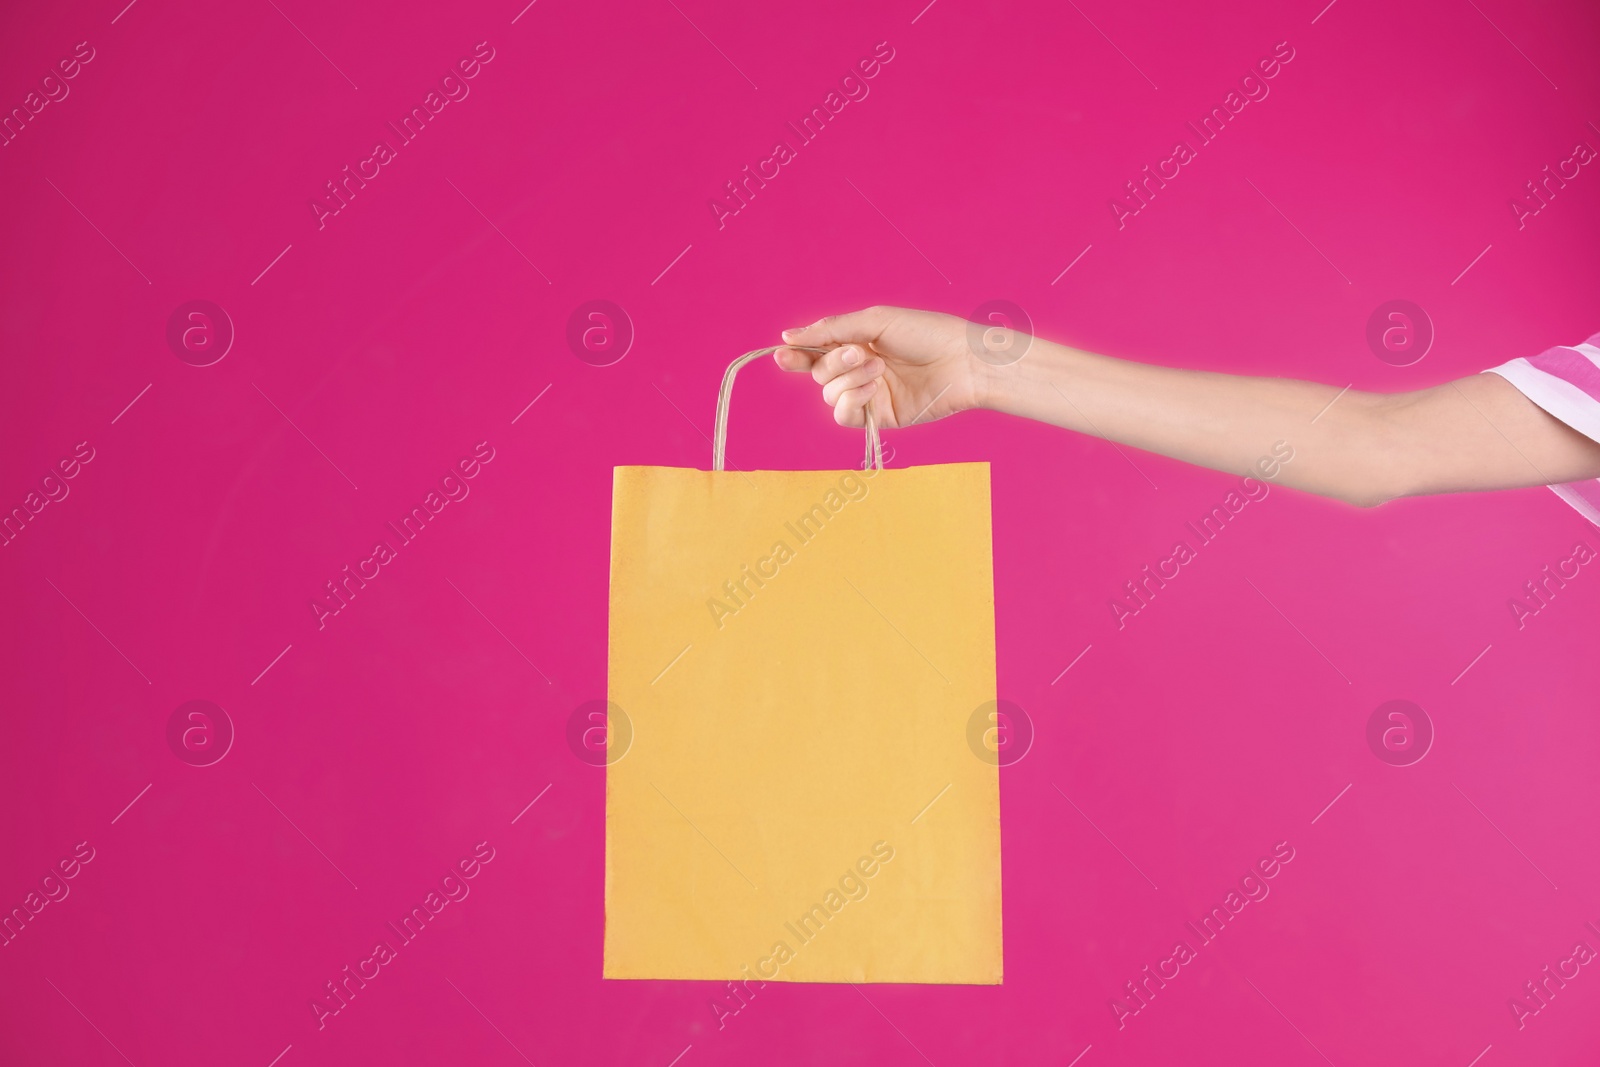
[1364, 448]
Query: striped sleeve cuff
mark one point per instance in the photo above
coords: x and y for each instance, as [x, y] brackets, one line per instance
[1565, 381]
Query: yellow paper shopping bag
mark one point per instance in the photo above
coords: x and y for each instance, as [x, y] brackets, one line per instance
[799, 655]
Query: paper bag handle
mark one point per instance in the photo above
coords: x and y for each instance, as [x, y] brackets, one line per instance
[719, 435]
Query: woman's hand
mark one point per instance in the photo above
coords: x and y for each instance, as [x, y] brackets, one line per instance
[911, 366]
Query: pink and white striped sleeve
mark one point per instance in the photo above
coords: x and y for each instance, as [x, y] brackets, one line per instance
[1565, 381]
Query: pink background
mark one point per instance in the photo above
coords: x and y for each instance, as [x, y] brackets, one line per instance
[409, 329]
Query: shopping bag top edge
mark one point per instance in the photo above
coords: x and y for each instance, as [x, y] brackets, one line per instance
[984, 464]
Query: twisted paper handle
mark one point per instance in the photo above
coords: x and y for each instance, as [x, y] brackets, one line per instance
[719, 434]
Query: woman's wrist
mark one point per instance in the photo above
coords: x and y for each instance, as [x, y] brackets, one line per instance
[984, 388]
[1008, 386]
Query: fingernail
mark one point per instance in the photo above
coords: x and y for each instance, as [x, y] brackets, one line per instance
[870, 387]
[851, 357]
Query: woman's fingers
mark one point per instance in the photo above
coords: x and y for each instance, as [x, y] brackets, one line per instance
[837, 361]
[851, 379]
[825, 366]
[849, 409]
[858, 328]
[849, 370]
[794, 359]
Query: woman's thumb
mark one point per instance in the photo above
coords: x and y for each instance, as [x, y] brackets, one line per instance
[857, 326]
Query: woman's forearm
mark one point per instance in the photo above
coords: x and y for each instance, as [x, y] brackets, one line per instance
[1365, 448]
[1479, 432]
